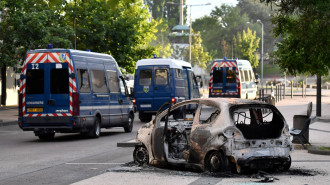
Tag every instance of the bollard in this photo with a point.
(291, 89)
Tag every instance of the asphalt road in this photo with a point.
(69, 158)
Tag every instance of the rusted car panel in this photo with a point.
(223, 133)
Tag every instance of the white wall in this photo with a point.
(12, 95)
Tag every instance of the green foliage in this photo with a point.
(25, 27)
(198, 56)
(161, 43)
(218, 30)
(305, 29)
(246, 45)
(256, 10)
(119, 28)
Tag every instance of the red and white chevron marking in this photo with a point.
(47, 58)
(229, 64)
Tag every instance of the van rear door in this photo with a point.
(162, 91)
(47, 84)
(144, 90)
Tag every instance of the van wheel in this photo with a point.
(129, 126)
(47, 136)
(216, 162)
(144, 117)
(285, 165)
(95, 132)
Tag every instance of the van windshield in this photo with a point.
(145, 77)
(59, 81)
(35, 81)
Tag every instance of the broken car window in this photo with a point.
(208, 114)
(258, 122)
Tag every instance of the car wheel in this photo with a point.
(95, 132)
(144, 117)
(285, 165)
(47, 136)
(129, 125)
(140, 155)
(216, 162)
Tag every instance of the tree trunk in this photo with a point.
(4, 85)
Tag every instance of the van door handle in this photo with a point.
(120, 101)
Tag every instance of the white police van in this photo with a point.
(232, 78)
(64, 90)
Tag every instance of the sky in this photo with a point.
(200, 11)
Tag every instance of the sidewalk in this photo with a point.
(8, 115)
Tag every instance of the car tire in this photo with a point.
(140, 155)
(285, 165)
(95, 131)
(144, 117)
(216, 162)
(129, 125)
(47, 136)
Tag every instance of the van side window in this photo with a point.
(178, 73)
(251, 75)
(98, 81)
(218, 75)
(35, 81)
(123, 87)
(241, 74)
(83, 78)
(161, 77)
(231, 76)
(145, 77)
(246, 74)
(113, 81)
(59, 81)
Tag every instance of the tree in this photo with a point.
(29, 25)
(198, 56)
(256, 10)
(120, 28)
(305, 29)
(218, 29)
(246, 45)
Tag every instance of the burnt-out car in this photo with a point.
(223, 134)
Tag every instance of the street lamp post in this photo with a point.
(262, 51)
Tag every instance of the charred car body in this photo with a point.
(224, 134)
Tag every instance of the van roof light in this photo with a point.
(155, 56)
(88, 50)
(225, 58)
(236, 58)
(50, 46)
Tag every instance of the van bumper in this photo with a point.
(58, 124)
(224, 96)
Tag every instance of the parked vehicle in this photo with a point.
(64, 90)
(159, 80)
(232, 78)
(224, 134)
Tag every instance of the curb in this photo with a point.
(315, 150)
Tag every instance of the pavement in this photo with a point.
(319, 134)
